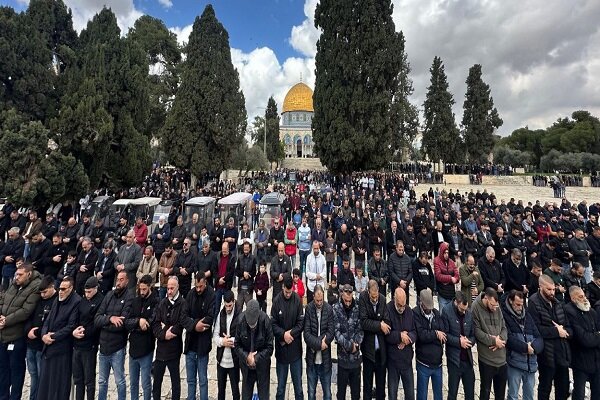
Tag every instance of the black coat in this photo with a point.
(313, 339)
(246, 263)
(108, 272)
(53, 267)
(378, 271)
(557, 351)
(401, 359)
(38, 255)
(429, 349)
(116, 303)
(141, 342)
(287, 314)
(279, 267)
(515, 276)
(36, 320)
(87, 313)
(423, 276)
(585, 343)
(453, 334)
(189, 263)
(61, 320)
(263, 342)
(208, 262)
(491, 273)
(370, 322)
(89, 263)
(201, 307)
(172, 316)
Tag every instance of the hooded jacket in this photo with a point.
(521, 330)
(17, 305)
(488, 324)
(348, 332)
(445, 271)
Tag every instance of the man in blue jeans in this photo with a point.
(319, 331)
(110, 319)
(198, 341)
(141, 339)
(288, 321)
(431, 336)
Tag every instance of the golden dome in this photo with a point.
(298, 98)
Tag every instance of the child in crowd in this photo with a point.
(261, 285)
(298, 284)
(360, 281)
(333, 293)
(69, 268)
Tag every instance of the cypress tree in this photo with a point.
(441, 137)
(274, 150)
(357, 69)
(480, 117)
(208, 118)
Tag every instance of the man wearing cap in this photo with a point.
(168, 325)
(228, 364)
(85, 345)
(254, 347)
(287, 320)
(431, 337)
(349, 337)
(141, 339)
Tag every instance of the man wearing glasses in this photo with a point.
(55, 378)
(185, 265)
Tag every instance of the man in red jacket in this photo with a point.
(446, 276)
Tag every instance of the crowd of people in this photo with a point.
(519, 281)
(478, 170)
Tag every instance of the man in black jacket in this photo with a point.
(55, 378)
(377, 270)
(245, 271)
(431, 336)
(551, 319)
(38, 252)
(423, 273)
(374, 322)
(207, 263)
(224, 274)
(198, 343)
(287, 320)
(399, 344)
(57, 256)
(170, 320)
(141, 339)
(86, 262)
(110, 319)
(585, 344)
(85, 345)
(33, 329)
(281, 267)
(460, 340)
(105, 271)
(491, 271)
(185, 265)
(254, 347)
(392, 236)
(228, 364)
(319, 331)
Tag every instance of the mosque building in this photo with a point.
(296, 118)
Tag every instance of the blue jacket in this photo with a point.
(520, 332)
(450, 317)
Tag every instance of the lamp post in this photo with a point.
(265, 136)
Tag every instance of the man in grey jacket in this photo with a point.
(128, 259)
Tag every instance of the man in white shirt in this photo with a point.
(227, 361)
(316, 270)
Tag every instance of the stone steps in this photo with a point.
(313, 164)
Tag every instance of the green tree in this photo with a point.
(358, 63)
(405, 116)
(441, 138)
(246, 159)
(480, 117)
(275, 152)
(208, 118)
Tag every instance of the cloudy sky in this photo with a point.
(539, 57)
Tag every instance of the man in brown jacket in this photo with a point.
(165, 268)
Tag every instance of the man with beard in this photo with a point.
(141, 339)
(515, 272)
(446, 276)
(491, 271)
(50, 227)
(105, 271)
(471, 282)
(98, 233)
(245, 271)
(377, 268)
(207, 263)
(281, 267)
(349, 336)
(140, 230)
(374, 321)
(585, 344)
(55, 377)
(551, 318)
(85, 345)
(287, 320)
(178, 234)
(33, 328)
(110, 319)
(261, 236)
(12, 251)
(224, 275)
(185, 265)
(573, 277)
(228, 364)
(57, 255)
(254, 348)
(86, 262)
(39, 250)
(70, 234)
(198, 338)
(169, 322)
(276, 236)
(121, 231)
(128, 259)
(554, 271)
(400, 269)
(461, 339)
(319, 332)
(399, 344)
(160, 237)
(523, 344)
(165, 268)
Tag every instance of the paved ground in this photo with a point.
(527, 193)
